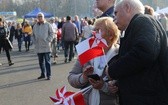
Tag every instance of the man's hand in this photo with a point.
(112, 87)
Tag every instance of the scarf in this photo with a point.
(99, 64)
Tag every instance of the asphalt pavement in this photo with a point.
(19, 84)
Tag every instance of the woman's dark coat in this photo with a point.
(4, 41)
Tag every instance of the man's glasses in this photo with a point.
(39, 16)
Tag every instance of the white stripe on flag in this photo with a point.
(83, 46)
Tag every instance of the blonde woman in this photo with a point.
(104, 88)
(27, 30)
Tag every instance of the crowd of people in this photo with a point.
(48, 36)
(136, 60)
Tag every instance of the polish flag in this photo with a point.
(97, 40)
(77, 99)
(64, 97)
(91, 48)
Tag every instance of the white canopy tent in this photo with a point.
(164, 10)
(8, 15)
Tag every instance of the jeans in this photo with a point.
(27, 42)
(68, 46)
(45, 63)
(58, 44)
(19, 43)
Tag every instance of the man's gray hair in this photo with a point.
(40, 13)
(136, 5)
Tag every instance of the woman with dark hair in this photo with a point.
(4, 41)
(19, 35)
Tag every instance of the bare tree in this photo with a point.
(63, 7)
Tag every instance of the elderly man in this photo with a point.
(106, 6)
(43, 35)
(142, 64)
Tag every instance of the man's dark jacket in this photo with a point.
(108, 13)
(142, 64)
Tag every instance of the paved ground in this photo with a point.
(19, 84)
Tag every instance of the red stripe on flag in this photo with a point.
(102, 44)
(79, 99)
(90, 54)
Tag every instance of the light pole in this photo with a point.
(75, 7)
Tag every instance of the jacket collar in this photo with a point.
(109, 12)
(39, 23)
(129, 25)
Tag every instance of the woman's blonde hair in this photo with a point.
(19, 25)
(149, 10)
(111, 29)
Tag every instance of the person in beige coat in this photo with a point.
(104, 88)
(43, 35)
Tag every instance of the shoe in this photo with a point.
(11, 63)
(48, 78)
(41, 77)
(65, 60)
(54, 62)
(75, 58)
(56, 55)
(70, 60)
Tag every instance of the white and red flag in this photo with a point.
(91, 48)
(63, 97)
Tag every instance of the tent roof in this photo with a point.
(33, 13)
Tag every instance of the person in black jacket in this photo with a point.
(12, 32)
(19, 36)
(106, 6)
(5, 44)
(142, 64)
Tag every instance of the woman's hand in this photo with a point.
(87, 71)
(97, 84)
